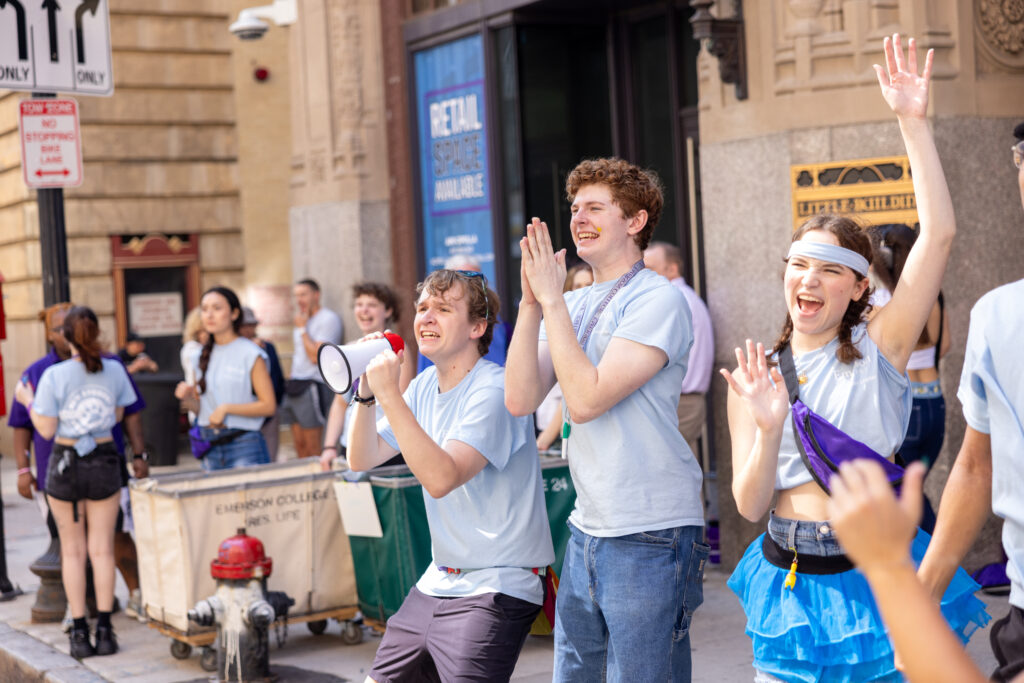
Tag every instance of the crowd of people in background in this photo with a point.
(612, 360)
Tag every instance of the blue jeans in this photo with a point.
(247, 449)
(625, 603)
(925, 433)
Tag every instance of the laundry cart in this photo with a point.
(181, 519)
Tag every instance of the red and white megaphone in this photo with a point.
(341, 365)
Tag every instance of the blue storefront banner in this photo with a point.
(454, 187)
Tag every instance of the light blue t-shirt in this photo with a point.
(992, 394)
(867, 399)
(496, 524)
(632, 469)
(84, 403)
(324, 327)
(229, 380)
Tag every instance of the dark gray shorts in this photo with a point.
(96, 476)
(1007, 638)
(309, 409)
(453, 639)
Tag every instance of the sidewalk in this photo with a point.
(38, 652)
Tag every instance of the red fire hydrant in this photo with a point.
(241, 609)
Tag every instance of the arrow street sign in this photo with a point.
(55, 46)
(51, 145)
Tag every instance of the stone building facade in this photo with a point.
(180, 174)
(813, 98)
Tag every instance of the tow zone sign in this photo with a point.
(51, 144)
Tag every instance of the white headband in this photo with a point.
(832, 253)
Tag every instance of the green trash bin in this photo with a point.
(388, 567)
(559, 499)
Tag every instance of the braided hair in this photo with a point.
(852, 236)
(236, 324)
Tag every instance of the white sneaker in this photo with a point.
(135, 608)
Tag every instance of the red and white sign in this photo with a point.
(51, 144)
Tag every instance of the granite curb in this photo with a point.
(23, 658)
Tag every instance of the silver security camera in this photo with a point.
(248, 26)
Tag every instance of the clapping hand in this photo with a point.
(543, 270)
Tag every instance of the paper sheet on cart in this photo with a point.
(358, 509)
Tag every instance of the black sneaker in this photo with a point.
(80, 645)
(106, 643)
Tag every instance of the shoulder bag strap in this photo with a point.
(788, 369)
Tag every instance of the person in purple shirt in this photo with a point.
(27, 440)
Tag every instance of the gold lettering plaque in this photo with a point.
(877, 191)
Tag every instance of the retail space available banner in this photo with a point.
(453, 152)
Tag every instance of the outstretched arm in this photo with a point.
(758, 406)
(875, 530)
(966, 504)
(898, 325)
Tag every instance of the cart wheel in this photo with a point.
(180, 649)
(351, 633)
(317, 627)
(208, 659)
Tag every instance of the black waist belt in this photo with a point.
(808, 564)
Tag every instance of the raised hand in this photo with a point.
(544, 269)
(763, 391)
(874, 528)
(905, 91)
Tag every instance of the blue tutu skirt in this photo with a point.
(827, 628)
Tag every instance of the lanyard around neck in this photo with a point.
(622, 282)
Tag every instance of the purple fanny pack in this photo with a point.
(823, 446)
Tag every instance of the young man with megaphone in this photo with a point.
(470, 612)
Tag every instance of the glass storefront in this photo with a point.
(562, 85)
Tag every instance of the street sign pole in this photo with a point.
(53, 243)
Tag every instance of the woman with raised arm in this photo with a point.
(809, 613)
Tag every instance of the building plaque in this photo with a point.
(877, 190)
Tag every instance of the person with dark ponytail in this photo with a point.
(79, 401)
(834, 388)
(892, 243)
(233, 392)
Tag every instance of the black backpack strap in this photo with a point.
(942, 321)
(788, 369)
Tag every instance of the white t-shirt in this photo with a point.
(632, 469)
(992, 394)
(496, 524)
(323, 326)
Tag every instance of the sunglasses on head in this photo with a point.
(483, 287)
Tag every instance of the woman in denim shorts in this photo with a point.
(927, 428)
(810, 614)
(233, 392)
(77, 403)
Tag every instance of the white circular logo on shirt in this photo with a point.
(87, 410)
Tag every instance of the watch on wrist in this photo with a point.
(144, 456)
